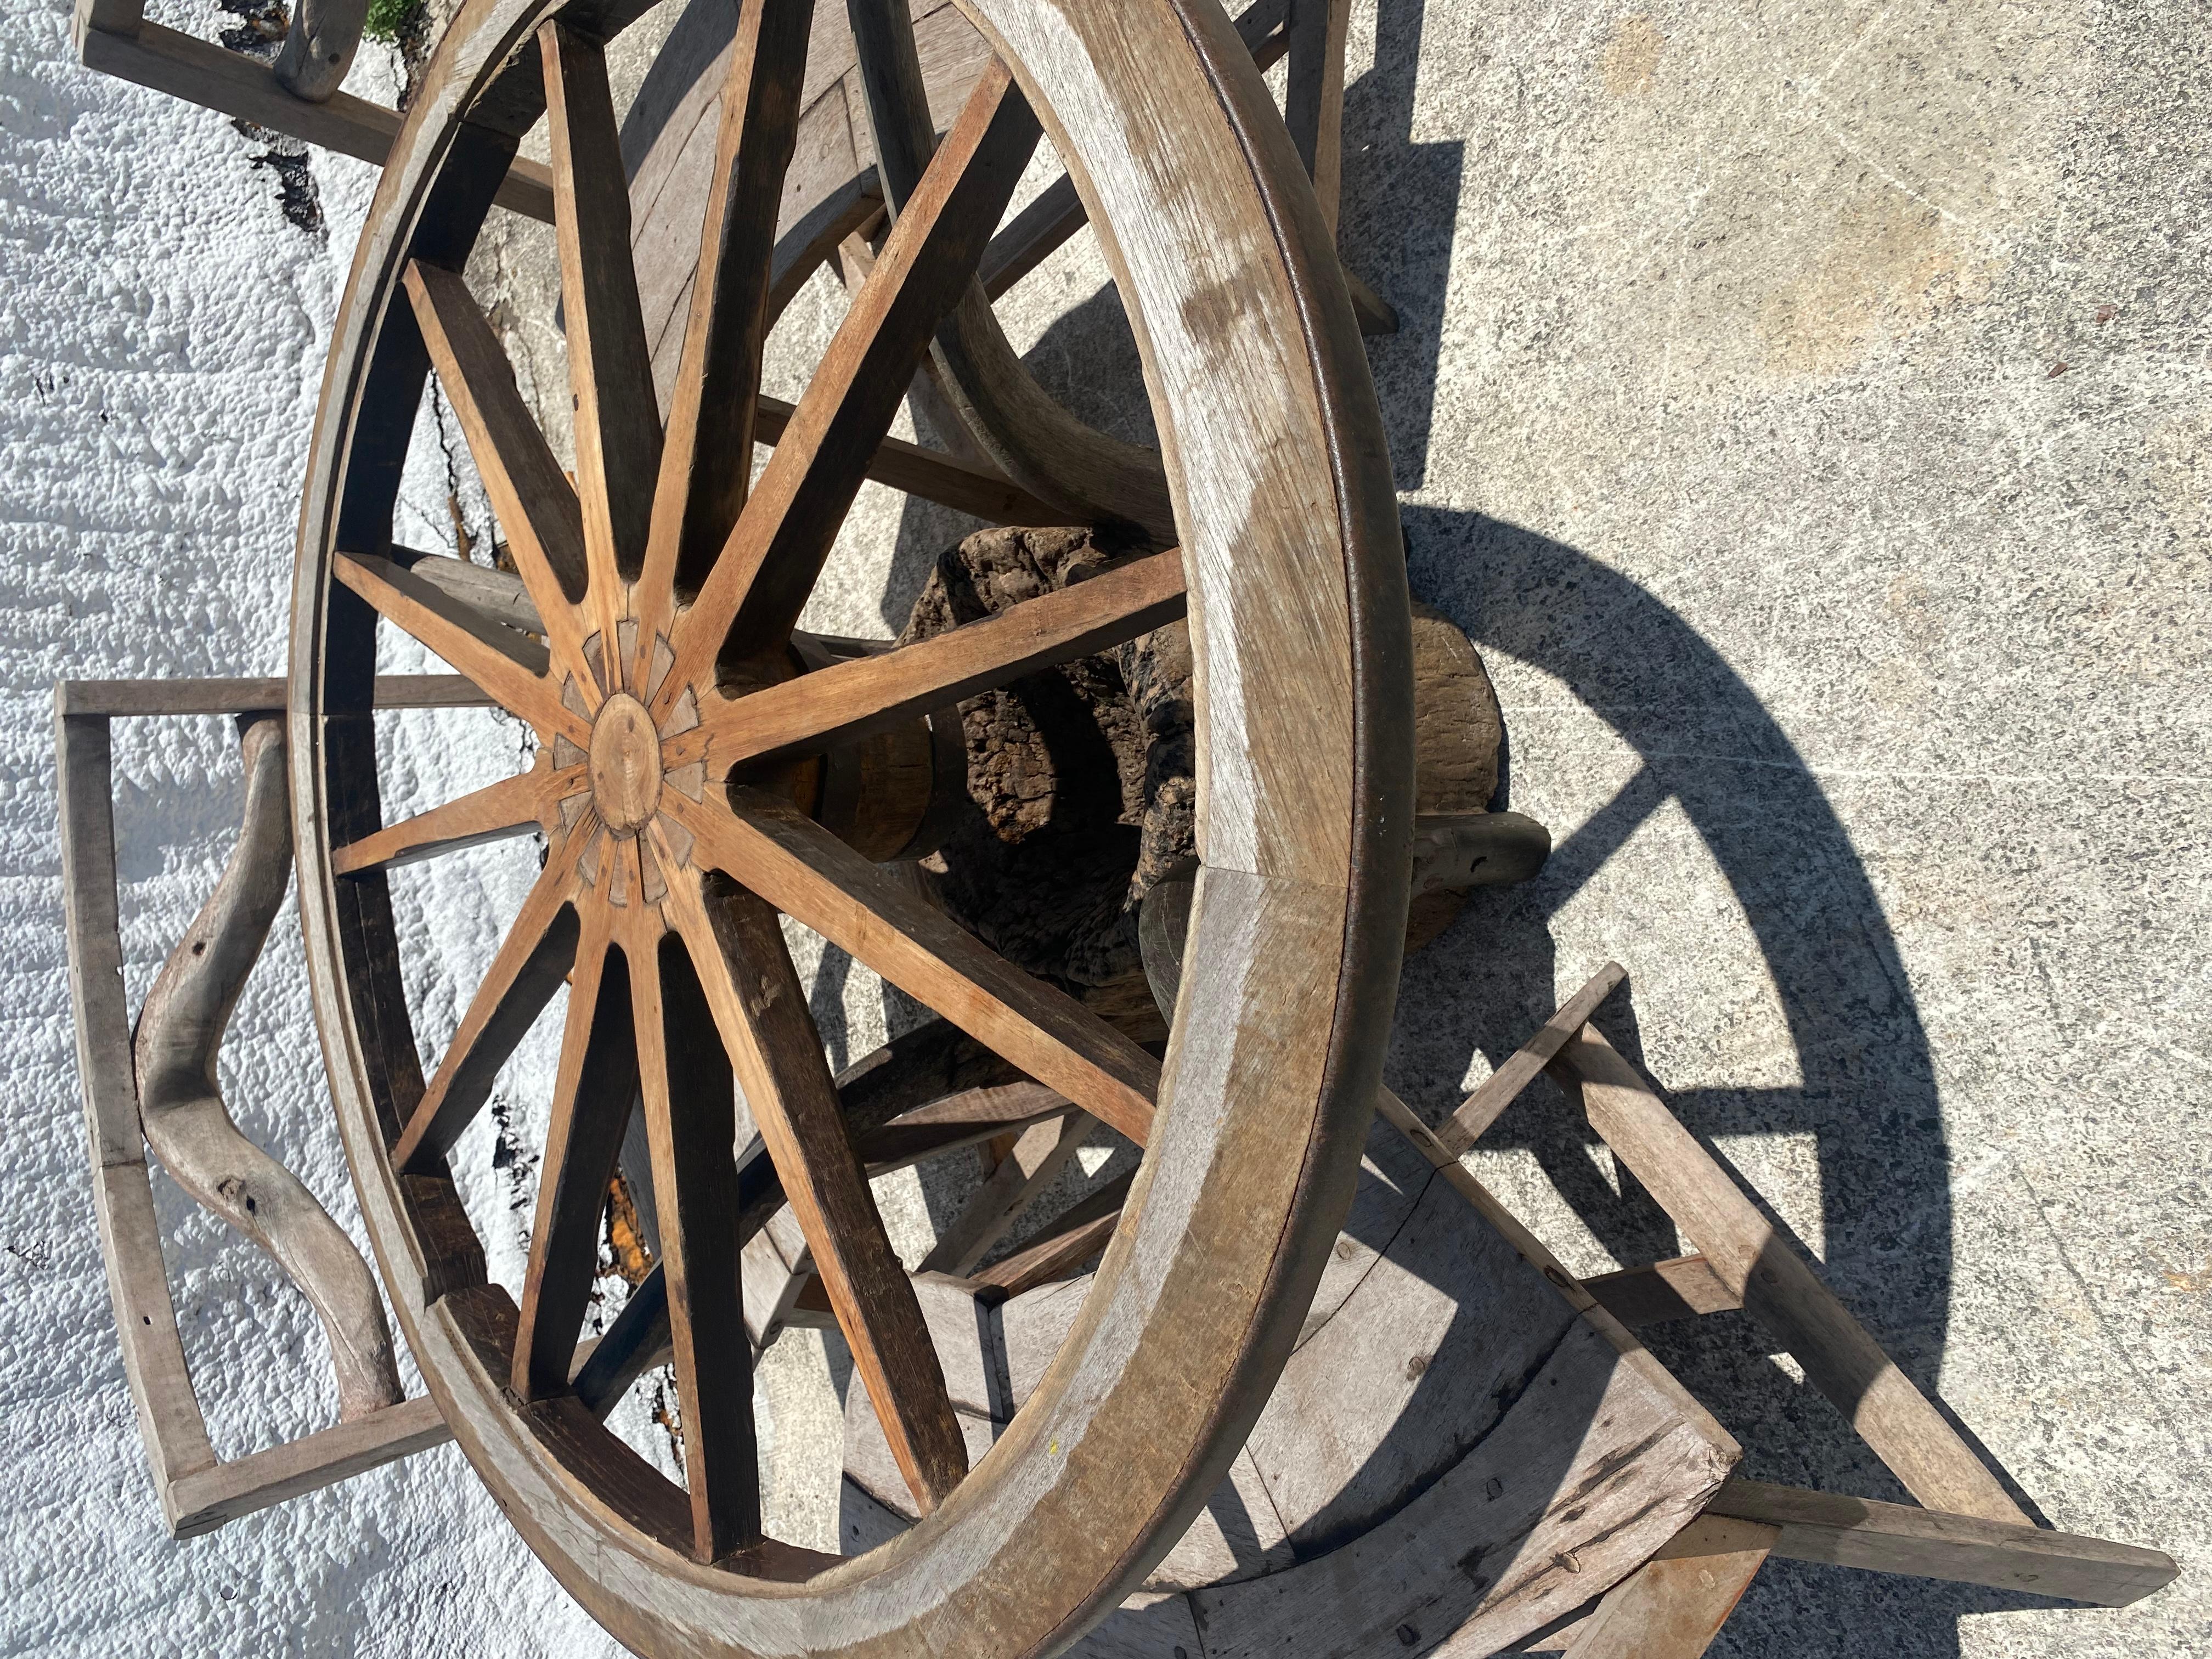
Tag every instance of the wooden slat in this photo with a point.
(169, 1419)
(1032, 1164)
(1313, 105)
(691, 1117)
(752, 598)
(1683, 1287)
(499, 595)
(525, 971)
(863, 695)
(200, 72)
(967, 486)
(1877, 1537)
(736, 942)
(895, 93)
(512, 806)
(509, 677)
(593, 1090)
(707, 464)
(1760, 1264)
(530, 494)
(1671, 1607)
(822, 884)
(618, 416)
(1503, 1087)
(1072, 1240)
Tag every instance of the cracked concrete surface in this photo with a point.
(1806, 409)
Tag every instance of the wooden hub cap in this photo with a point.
(625, 764)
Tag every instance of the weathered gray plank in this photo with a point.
(1587, 1474)
(1860, 1532)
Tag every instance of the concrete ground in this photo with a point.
(1806, 408)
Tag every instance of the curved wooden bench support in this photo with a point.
(198, 1491)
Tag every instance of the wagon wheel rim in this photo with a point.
(669, 716)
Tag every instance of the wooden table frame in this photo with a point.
(1970, 1531)
(113, 36)
(198, 1491)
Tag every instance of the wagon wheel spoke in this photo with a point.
(526, 970)
(617, 424)
(510, 671)
(687, 1087)
(761, 1008)
(751, 599)
(809, 875)
(593, 1090)
(862, 694)
(509, 807)
(530, 495)
(706, 466)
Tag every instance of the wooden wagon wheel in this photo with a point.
(678, 731)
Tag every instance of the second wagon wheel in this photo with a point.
(682, 738)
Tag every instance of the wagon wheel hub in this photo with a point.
(626, 766)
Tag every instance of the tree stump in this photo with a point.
(1082, 788)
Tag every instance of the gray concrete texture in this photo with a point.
(1807, 410)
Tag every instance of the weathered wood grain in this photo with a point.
(201, 72)
(594, 1086)
(1276, 458)
(761, 1009)
(529, 494)
(1878, 1537)
(211, 1497)
(181, 1107)
(751, 599)
(169, 1419)
(513, 806)
(707, 465)
(863, 694)
(1683, 1287)
(1503, 1087)
(528, 967)
(686, 1086)
(1031, 1164)
(248, 696)
(1673, 1606)
(816, 880)
(1761, 1265)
